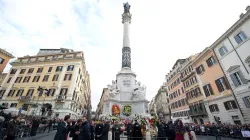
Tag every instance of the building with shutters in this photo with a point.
(64, 82)
(162, 104)
(99, 109)
(218, 98)
(233, 52)
(4, 59)
(177, 96)
(194, 94)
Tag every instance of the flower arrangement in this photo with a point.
(116, 109)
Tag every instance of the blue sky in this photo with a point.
(161, 32)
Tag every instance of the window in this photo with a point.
(223, 50)
(22, 71)
(13, 71)
(208, 90)
(182, 89)
(9, 79)
(2, 93)
(237, 78)
(210, 61)
(11, 93)
(70, 68)
(50, 69)
(45, 78)
(67, 77)
(30, 70)
(36, 79)
(30, 92)
(246, 100)
(52, 92)
(54, 57)
(222, 84)
(214, 108)
(13, 105)
(1, 60)
(59, 68)
(19, 92)
(229, 105)
(39, 70)
(200, 69)
(18, 79)
(240, 37)
(64, 91)
(26, 79)
(55, 77)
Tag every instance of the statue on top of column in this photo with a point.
(126, 7)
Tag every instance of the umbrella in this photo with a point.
(2, 107)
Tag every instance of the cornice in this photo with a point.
(7, 53)
(49, 54)
(203, 53)
(233, 28)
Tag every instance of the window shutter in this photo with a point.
(234, 104)
(216, 107)
(247, 103)
(244, 81)
(202, 68)
(226, 82)
(226, 106)
(197, 70)
(218, 85)
(210, 88)
(208, 63)
(65, 77)
(243, 34)
(205, 90)
(236, 84)
(237, 39)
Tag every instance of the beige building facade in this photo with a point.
(99, 109)
(4, 59)
(62, 75)
(176, 92)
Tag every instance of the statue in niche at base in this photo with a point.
(113, 90)
(139, 92)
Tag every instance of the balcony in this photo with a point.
(24, 98)
(198, 112)
(60, 98)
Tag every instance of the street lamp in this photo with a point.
(41, 91)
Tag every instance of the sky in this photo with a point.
(161, 32)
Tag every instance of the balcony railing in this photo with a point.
(60, 98)
(24, 98)
(198, 112)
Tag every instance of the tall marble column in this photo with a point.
(126, 51)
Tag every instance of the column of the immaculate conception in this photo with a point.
(125, 97)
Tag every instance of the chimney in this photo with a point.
(248, 8)
(241, 15)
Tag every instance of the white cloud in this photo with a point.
(161, 32)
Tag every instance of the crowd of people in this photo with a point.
(15, 126)
(131, 130)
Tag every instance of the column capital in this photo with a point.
(126, 17)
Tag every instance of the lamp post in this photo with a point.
(40, 90)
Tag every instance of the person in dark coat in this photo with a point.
(98, 131)
(161, 133)
(171, 132)
(75, 130)
(137, 134)
(84, 130)
(63, 129)
(34, 127)
(92, 130)
(105, 132)
(116, 131)
(166, 129)
(12, 129)
(129, 130)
